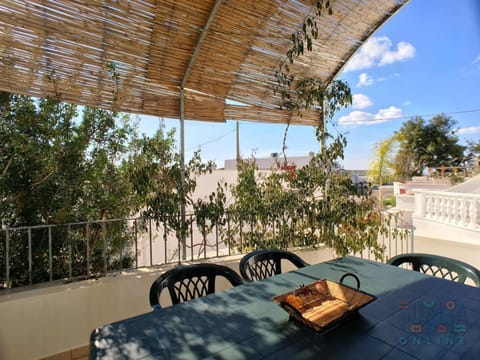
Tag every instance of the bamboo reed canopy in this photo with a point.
(142, 56)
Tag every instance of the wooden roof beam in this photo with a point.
(201, 38)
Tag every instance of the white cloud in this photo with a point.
(469, 130)
(404, 52)
(364, 80)
(358, 118)
(366, 118)
(377, 51)
(390, 113)
(360, 101)
(388, 77)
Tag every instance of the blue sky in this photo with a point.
(424, 61)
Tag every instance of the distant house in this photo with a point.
(274, 161)
(293, 162)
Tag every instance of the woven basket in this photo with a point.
(324, 303)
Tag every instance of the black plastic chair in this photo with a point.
(262, 264)
(439, 266)
(188, 282)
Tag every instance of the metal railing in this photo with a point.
(399, 237)
(75, 251)
(396, 238)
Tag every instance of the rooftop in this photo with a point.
(141, 56)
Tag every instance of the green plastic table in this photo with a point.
(414, 317)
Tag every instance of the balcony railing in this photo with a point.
(68, 252)
(457, 209)
(396, 238)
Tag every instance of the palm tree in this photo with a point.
(382, 164)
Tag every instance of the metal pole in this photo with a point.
(50, 255)
(323, 121)
(87, 231)
(69, 230)
(135, 234)
(191, 237)
(165, 243)
(105, 247)
(324, 140)
(182, 239)
(238, 143)
(7, 257)
(150, 240)
(30, 256)
(188, 70)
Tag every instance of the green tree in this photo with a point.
(382, 165)
(472, 157)
(154, 168)
(332, 206)
(429, 144)
(58, 167)
(210, 214)
(315, 204)
(404, 165)
(472, 150)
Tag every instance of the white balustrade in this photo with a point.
(458, 209)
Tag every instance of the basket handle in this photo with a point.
(352, 275)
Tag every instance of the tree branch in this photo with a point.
(4, 172)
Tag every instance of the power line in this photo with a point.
(347, 122)
(211, 141)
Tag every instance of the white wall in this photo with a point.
(405, 203)
(46, 321)
(441, 231)
(466, 252)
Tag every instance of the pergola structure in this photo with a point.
(176, 58)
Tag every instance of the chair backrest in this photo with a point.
(186, 282)
(262, 264)
(440, 266)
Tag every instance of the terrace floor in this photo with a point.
(80, 353)
(93, 303)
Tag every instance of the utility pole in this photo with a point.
(238, 143)
(323, 121)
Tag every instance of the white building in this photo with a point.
(274, 161)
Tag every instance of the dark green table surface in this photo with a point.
(414, 317)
